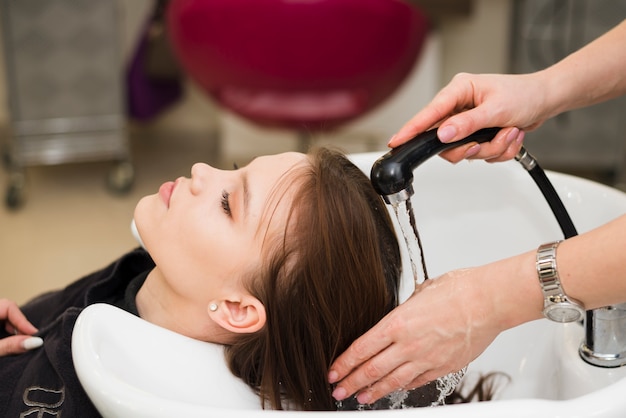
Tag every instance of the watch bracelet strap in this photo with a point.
(548, 274)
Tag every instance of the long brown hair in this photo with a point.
(332, 276)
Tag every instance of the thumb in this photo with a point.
(463, 124)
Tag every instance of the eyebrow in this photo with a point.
(246, 195)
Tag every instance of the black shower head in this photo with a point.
(392, 174)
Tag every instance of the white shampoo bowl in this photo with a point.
(467, 214)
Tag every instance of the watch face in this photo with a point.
(564, 312)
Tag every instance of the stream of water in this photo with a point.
(408, 226)
(406, 219)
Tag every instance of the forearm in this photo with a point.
(591, 266)
(594, 73)
(512, 289)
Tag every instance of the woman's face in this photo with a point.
(206, 231)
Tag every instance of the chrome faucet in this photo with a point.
(392, 177)
(605, 337)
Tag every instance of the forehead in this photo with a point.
(279, 163)
(275, 179)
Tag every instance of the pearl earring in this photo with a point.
(213, 307)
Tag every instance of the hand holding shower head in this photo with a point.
(392, 174)
(392, 177)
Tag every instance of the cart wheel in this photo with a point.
(15, 191)
(121, 177)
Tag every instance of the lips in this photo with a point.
(165, 192)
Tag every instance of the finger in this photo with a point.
(456, 95)
(362, 349)
(511, 151)
(9, 328)
(402, 381)
(461, 125)
(497, 146)
(400, 378)
(16, 318)
(461, 152)
(374, 341)
(369, 373)
(493, 150)
(455, 110)
(424, 120)
(19, 344)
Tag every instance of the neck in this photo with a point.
(157, 303)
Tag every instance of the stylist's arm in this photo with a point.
(520, 102)
(449, 321)
(15, 323)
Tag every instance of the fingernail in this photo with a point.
(339, 394)
(32, 343)
(447, 133)
(513, 133)
(520, 137)
(471, 151)
(333, 376)
(391, 140)
(363, 398)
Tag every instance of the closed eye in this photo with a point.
(225, 203)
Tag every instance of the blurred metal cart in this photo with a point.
(65, 88)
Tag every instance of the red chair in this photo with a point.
(307, 65)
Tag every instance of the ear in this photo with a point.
(242, 315)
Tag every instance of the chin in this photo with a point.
(141, 219)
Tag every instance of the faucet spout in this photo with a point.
(605, 338)
(392, 174)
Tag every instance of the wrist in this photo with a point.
(557, 305)
(517, 297)
(553, 86)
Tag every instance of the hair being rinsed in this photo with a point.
(332, 276)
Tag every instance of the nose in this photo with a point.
(199, 169)
(200, 173)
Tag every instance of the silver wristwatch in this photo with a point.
(557, 306)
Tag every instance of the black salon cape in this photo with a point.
(42, 382)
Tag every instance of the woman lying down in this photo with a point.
(285, 261)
